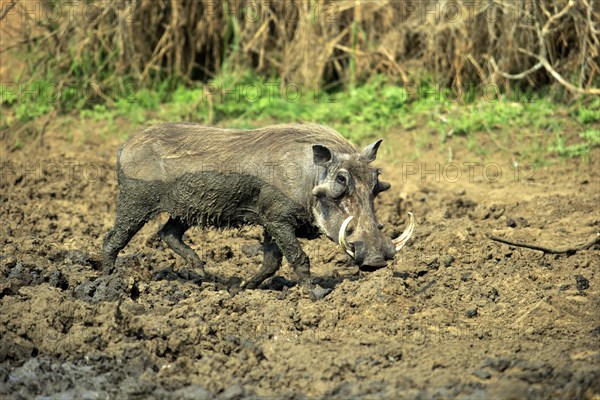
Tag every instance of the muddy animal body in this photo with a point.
(294, 180)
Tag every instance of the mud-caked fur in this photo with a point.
(294, 180)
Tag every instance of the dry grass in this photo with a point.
(334, 42)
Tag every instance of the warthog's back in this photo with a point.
(165, 152)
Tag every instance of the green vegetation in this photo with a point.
(590, 138)
(588, 114)
(235, 68)
(243, 100)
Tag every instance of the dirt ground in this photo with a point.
(454, 315)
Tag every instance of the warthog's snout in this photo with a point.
(369, 258)
(375, 255)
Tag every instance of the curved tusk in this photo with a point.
(401, 240)
(342, 236)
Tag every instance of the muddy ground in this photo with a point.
(455, 315)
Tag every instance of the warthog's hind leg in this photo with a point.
(172, 233)
(131, 217)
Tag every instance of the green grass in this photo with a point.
(522, 128)
(589, 139)
(241, 99)
(588, 114)
(244, 101)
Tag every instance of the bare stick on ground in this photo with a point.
(548, 250)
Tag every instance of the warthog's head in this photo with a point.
(344, 207)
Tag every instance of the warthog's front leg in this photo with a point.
(285, 238)
(272, 258)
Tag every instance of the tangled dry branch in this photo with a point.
(542, 55)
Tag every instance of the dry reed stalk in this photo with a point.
(534, 42)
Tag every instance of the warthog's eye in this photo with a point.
(340, 184)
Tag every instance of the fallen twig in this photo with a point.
(548, 250)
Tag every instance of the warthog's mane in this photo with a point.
(177, 140)
(280, 154)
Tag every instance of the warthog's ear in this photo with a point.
(370, 152)
(382, 187)
(321, 155)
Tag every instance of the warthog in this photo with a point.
(294, 180)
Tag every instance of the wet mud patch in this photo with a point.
(454, 315)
